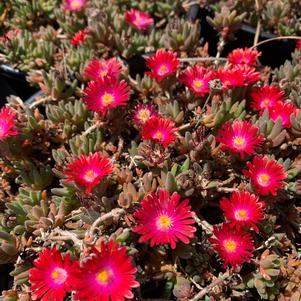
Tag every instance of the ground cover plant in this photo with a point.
(178, 183)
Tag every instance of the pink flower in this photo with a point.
(234, 246)
(164, 219)
(230, 77)
(162, 64)
(249, 73)
(102, 68)
(159, 129)
(74, 4)
(79, 37)
(50, 276)
(139, 19)
(197, 79)
(106, 93)
(7, 125)
(88, 171)
(246, 56)
(240, 137)
(105, 275)
(142, 113)
(266, 175)
(266, 97)
(284, 111)
(243, 210)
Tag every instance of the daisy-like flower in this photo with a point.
(243, 210)
(298, 45)
(139, 19)
(163, 219)
(7, 125)
(106, 93)
(234, 246)
(243, 56)
(102, 68)
(240, 137)
(230, 77)
(50, 276)
(88, 171)
(107, 274)
(79, 37)
(266, 97)
(249, 73)
(162, 64)
(197, 79)
(266, 175)
(283, 111)
(143, 112)
(74, 4)
(159, 129)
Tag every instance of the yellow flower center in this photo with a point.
(163, 69)
(239, 142)
(107, 99)
(103, 73)
(227, 83)
(266, 101)
(59, 275)
(230, 245)
(76, 4)
(263, 179)
(158, 135)
(144, 115)
(241, 215)
(103, 277)
(198, 83)
(90, 175)
(164, 222)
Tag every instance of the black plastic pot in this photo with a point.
(13, 82)
(6, 281)
(274, 53)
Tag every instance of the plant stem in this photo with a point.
(275, 39)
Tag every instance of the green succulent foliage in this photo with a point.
(8, 248)
(172, 110)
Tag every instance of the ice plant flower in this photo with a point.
(234, 246)
(163, 219)
(298, 45)
(50, 276)
(106, 93)
(138, 19)
(74, 4)
(246, 56)
(102, 68)
(197, 79)
(88, 171)
(159, 129)
(266, 175)
(7, 125)
(142, 113)
(283, 111)
(79, 37)
(249, 74)
(107, 274)
(266, 97)
(162, 64)
(243, 210)
(230, 77)
(240, 137)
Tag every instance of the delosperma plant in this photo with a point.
(181, 183)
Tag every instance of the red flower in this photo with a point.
(234, 246)
(7, 125)
(164, 219)
(266, 97)
(106, 93)
(246, 56)
(139, 19)
(298, 45)
(283, 111)
(79, 37)
(10, 35)
(243, 210)
(88, 171)
(143, 112)
(159, 129)
(197, 79)
(230, 77)
(266, 175)
(240, 137)
(102, 68)
(162, 64)
(74, 4)
(250, 74)
(49, 278)
(105, 275)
